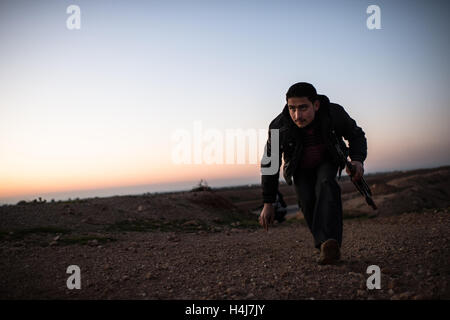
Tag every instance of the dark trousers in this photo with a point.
(319, 197)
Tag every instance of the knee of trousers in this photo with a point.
(329, 183)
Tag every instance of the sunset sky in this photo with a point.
(97, 108)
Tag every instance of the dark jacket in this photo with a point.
(334, 123)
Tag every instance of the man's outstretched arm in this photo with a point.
(269, 178)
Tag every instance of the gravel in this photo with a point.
(412, 251)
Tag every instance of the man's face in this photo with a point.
(302, 110)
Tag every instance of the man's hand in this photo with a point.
(358, 170)
(267, 215)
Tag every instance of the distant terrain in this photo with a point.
(393, 192)
(207, 244)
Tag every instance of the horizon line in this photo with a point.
(179, 186)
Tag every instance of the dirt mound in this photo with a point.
(404, 193)
(383, 188)
(178, 211)
(393, 192)
(209, 199)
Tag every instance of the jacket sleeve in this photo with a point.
(355, 136)
(270, 182)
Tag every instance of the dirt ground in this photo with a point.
(201, 245)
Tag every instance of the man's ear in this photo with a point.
(316, 105)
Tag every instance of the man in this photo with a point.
(309, 126)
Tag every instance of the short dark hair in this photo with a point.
(302, 89)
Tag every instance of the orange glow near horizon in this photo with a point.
(38, 170)
(25, 177)
(24, 185)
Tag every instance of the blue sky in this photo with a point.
(100, 103)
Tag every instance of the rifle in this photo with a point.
(361, 184)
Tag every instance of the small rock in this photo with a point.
(190, 223)
(402, 296)
(56, 238)
(361, 293)
(386, 270)
(93, 243)
(173, 238)
(406, 295)
(392, 284)
(355, 274)
(53, 243)
(140, 208)
(229, 290)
